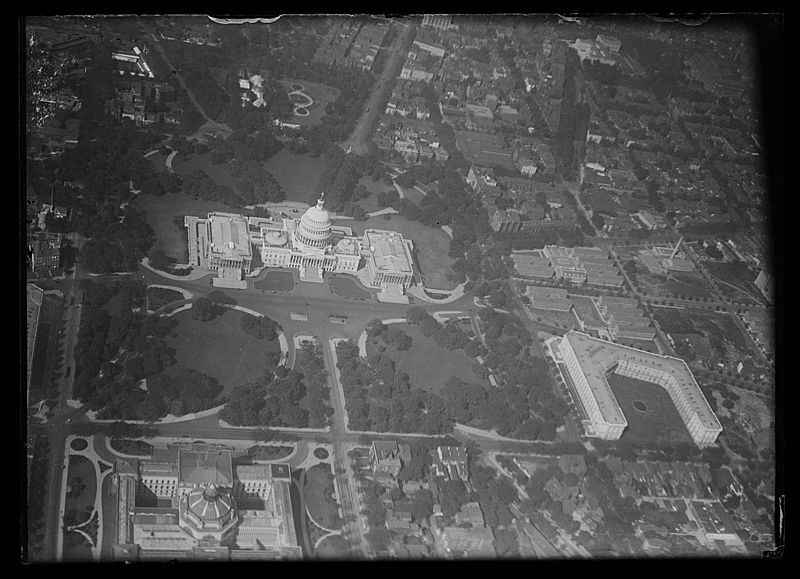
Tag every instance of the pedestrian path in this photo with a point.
(191, 276)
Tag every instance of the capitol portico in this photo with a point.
(381, 259)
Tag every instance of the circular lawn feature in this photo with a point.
(79, 444)
(276, 281)
(321, 453)
(344, 287)
(639, 405)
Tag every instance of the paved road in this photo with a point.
(58, 426)
(358, 141)
(321, 303)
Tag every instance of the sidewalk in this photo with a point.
(194, 275)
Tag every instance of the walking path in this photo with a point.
(91, 455)
(191, 276)
(452, 295)
(170, 157)
(184, 292)
(385, 211)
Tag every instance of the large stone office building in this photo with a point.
(227, 243)
(192, 502)
(589, 362)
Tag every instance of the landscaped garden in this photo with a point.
(321, 94)
(275, 281)
(334, 547)
(298, 174)
(219, 348)
(318, 496)
(269, 452)
(159, 296)
(78, 444)
(431, 244)
(165, 215)
(416, 361)
(79, 506)
(649, 410)
(347, 287)
(131, 446)
(689, 285)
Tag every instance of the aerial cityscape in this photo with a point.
(431, 287)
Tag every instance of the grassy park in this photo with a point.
(431, 243)
(347, 287)
(159, 296)
(187, 163)
(298, 174)
(159, 161)
(650, 412)
(688, 284)
(321, 94)
(162, 211)
(416, 361)
(219, 348)
(317, 492)
(269, 452)
(82, 490)
(275, 281)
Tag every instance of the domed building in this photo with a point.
(192, 501)
(225, 242)
(314, 229)
(315, 246)
(208, 513)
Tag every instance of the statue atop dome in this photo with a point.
(321, 201)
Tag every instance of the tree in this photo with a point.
(375, 327)
(263, 435)
(203, 309)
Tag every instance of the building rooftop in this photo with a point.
(389, 251)
(452, 453)
(229, 235)
(206, 465)
(149, 468)
(597, 357)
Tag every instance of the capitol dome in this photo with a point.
(314, 229)
(209, 507)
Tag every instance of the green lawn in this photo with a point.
(269, 452)
(129, 446)
(346, 287)
(736, 274)
(279, 281)
(159, 296)
(219, 348)
(298, 174)
(688, 284)
(370, 204)
(659, 423)
(159, 161)
(186, 164)
(417, 361)
(317, 494)
(320, 93)
(81, 467)
(161, 212)
(431, 244)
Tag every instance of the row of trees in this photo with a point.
(381, 399)
(312, 365)
(116, 244)
(448, 335)
(254, 184)
(112, 388)
(272, 400)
